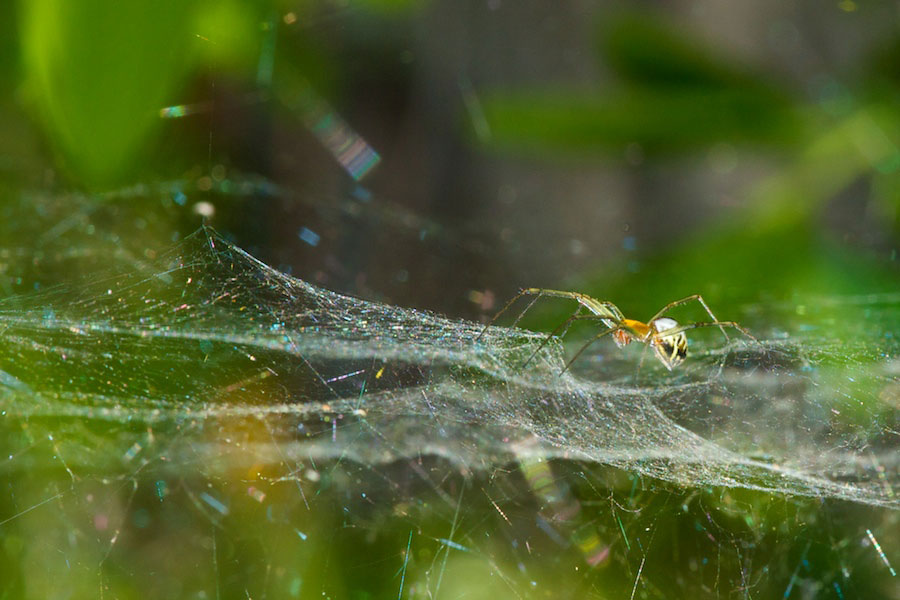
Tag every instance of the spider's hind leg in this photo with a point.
(702, 302)
(720, 325)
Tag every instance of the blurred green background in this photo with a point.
(639, 152)
(441, 155)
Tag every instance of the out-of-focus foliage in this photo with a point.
(99, 71)
(232, 31)
(674, 98)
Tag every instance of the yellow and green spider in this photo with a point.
(663, 334)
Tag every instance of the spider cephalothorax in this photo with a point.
(670, 348)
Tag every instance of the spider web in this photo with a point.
(158, 362)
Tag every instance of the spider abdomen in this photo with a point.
(670, 349)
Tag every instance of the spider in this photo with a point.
(664, 335)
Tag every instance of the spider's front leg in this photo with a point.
(591, 341)
(564, 326)
(601, 308)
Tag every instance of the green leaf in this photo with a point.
(642, 49)
(99, 71)
(667, 121)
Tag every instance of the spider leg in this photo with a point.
(568, 323)
(720, 324)
(505, 308)
(597, 307)
(637, 375)
(591, 341)
(562, 326)
(601, 308)
(690, 298)
(525, 310)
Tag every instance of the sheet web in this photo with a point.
(212, 336)
(178, 426)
